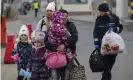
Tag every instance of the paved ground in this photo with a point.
(122, 70)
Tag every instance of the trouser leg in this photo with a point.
(55, 74)
(109, 61)
(44, 74)
(35, 76)
(36, 11)
(65, 72)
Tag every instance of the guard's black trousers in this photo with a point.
(109, 61)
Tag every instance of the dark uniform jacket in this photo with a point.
(102, 25)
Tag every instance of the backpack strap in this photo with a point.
(43, 23)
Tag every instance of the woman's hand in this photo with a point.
(65, 29)
(61, 47)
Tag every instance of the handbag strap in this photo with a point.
(76, 60)
(95, 51)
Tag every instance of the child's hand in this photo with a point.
(61, 47)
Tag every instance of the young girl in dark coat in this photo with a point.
(36, 63)
(22, 50)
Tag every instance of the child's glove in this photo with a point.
(111, 29)
(22, 72)
(27, 75)
(97, 46)
(16, 57)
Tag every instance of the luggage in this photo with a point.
(96, 62)
(77, 72)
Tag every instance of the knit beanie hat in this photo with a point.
(51, 6)
(40, 36)
(103, 7)
(23, 31)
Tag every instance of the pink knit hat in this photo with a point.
(39, 36)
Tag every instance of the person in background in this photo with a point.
(44, 23)
(36, 7)
(104, 22)
(22, 50)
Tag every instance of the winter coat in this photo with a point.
(57, 29)
(102, 25)
(43, 25)
(36, 63)
(55, 34)
(24, 51)
(71, 41)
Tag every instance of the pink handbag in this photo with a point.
(56, 59)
